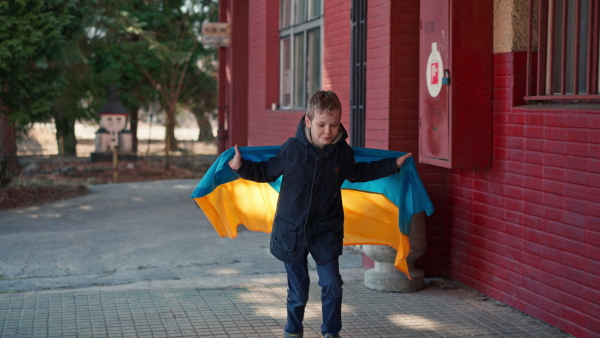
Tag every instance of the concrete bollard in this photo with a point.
(384, 276)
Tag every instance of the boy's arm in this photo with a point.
(370, 171)
(400, 160)
(255, 171)
(236, 162)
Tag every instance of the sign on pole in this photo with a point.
(216, 34)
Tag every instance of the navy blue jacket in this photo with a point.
(309, 209)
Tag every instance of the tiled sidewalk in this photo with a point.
(258, 311)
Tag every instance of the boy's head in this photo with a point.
(323, 102)
(323, 118)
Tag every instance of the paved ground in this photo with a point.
(257, 311)
(140, 260)
(148, 232)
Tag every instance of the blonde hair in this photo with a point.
(323, 102)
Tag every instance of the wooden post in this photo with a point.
(61, 145)
(192, 153)
(116, 163)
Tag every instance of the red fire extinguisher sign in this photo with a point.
(434, 73)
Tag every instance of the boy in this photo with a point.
(310, 216)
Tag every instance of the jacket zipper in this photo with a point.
(312, 187)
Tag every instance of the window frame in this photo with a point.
(291, 32)
(541, 67)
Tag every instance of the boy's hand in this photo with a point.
(236, 162)
(400, 160)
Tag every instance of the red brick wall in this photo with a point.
(268, 127)
(393, 75)
(258, 57)
(380, 54)
(265, 127)
(393, 110)
(404, 77)
(527, 231)
(336, 53)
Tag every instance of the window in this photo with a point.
(300, 51)
(566, 65)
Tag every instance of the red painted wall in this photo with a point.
(527, 231)
(237, 73)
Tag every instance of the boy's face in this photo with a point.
(324, 127)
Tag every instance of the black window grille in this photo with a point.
(358, 91)
(562, 58)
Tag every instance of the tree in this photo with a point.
(33, 35)
(148, 46)
(171, 30)
(203, 104)
(70, 105)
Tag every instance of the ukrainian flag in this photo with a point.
(376, 212)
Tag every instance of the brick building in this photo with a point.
(517, 219)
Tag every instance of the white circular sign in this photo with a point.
(434, 71)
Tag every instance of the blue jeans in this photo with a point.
(330, 282)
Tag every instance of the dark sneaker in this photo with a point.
(328, 335)
(292, 335)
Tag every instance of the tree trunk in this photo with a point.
(9, 162)
(170, 142)
(170, 132)
(167, 152)
(134, 117)
(65, 135)
(205, 134)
